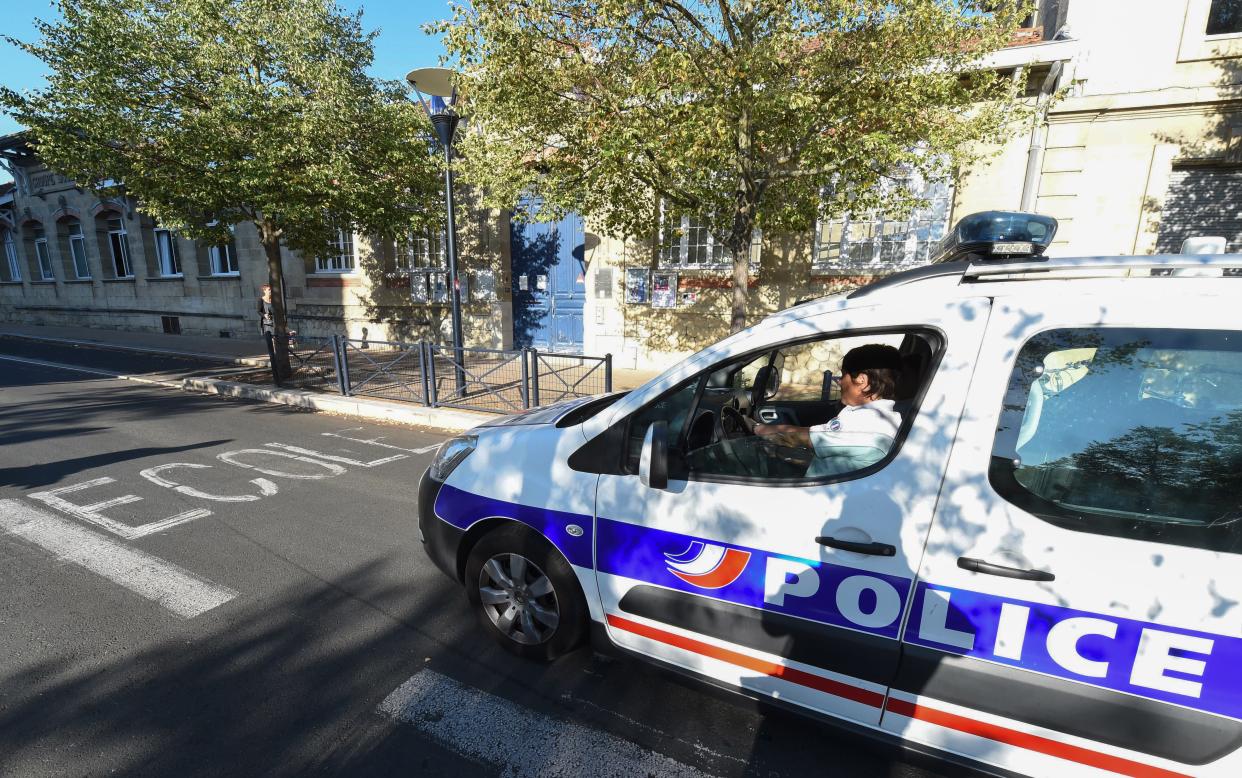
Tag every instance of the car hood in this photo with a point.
(548, 414)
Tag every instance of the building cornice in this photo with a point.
(1207, 99)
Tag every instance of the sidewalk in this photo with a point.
(251, 352)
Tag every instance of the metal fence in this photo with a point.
(478, 379)
(313, 361)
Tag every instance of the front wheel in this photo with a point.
(526, 594)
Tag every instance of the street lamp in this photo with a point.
(437, 83)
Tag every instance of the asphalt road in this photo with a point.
(252, 613)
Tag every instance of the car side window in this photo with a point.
(673, 408)
(712, 417)
(1133, 433)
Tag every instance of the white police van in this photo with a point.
(1042, 576)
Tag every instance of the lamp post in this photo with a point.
(437, 83)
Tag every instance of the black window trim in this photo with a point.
(1006, 486)
(937, 339)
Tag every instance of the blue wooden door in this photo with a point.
(549, 283)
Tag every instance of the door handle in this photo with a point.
(987, 568)
(873, 549)
(768, 415)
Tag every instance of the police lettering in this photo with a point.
(1008, 626)
(862, 601)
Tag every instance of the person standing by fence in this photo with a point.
(267, 326)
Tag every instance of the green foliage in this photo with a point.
(221, 111)
(743, 112)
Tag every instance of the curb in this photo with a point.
(243, 361)
(377, 410)
(450, 420)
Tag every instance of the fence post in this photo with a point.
(534, 377)
(336, 363)
(344, 352)
(608, 373)
(434, 400)
(422, 371)
(525, 381)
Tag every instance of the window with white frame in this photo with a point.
(421, 251)
(687, 242)
(118, 245)
(340, 257)
(44, 255)
(1224, 17)
(877, 242)
(166, 252)
(77, 250)
(223, 260)
(12, 269)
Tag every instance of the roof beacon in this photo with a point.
(997, 235)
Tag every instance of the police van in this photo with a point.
(1041, 575)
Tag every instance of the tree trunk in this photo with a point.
(738, 244)
(270, 238)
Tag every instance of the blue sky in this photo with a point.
(400, 47)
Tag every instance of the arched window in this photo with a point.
(73, 247)
(223, 258)
(166, 250)
(11, 269)
(37, 244)
(118, 247)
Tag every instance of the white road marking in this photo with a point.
(519, 741)
(231, 458)
(696, 745)
(58, 366)
(376, 442)
(93, 513)
(266, 487)
(180, 591)
(337, 457)
(93, 371)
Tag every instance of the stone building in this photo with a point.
(1141, 148)
(74, 258)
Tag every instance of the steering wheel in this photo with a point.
(730, 424)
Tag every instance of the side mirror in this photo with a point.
(653, 462)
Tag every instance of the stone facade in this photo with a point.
(72, 250)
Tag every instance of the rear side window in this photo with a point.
(1135, 433)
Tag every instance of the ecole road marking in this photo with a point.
(523, 743)
(181, 592)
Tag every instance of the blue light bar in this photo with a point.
(997, 235)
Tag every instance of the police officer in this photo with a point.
(864, 431)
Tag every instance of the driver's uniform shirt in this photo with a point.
(859, 436)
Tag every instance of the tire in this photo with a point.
(543, 615)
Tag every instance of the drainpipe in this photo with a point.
(1039, 129)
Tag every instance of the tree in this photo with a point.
(214, 112)
(746, 113)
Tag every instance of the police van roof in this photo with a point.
(1041, 268)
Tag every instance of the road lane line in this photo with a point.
(180, 591)
(521, 742)
(58, 366)
(92, 371)
(376, 442)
